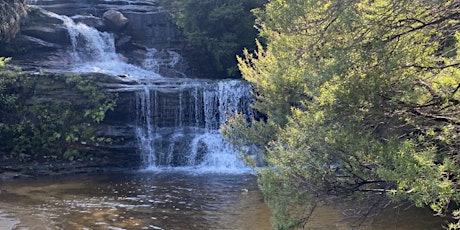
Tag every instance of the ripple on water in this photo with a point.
(157, 200)
(8, 221)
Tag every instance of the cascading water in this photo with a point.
(94, 51)
(177, 120)
(182, 129)
(150, 62)
(145, 130)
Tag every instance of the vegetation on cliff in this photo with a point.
(216, 31)
(12, 14)
(361, 100)
(49, 117)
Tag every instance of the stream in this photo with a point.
(134, 200)
(163, 199)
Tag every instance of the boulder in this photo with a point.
(115, 20)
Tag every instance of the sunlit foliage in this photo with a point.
(49, 117)
(360, 97)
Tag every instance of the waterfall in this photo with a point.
(185, 118)
(177, 120)
(145, 130)
(89, 44)
(150, 62)
(94, 51)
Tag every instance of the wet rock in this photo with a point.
(91, 20)
(124, 42)
(10, 175)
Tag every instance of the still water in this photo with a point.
(161, 200)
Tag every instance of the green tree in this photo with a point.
(216, 31)
(37, 127)
(361, 99)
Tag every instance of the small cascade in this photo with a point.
(151, 63)
(145, 131)
(211, 153)
(89, 44)
(185, 119)
(94, 51)
(174, 58)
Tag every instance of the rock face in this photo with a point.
(168, 122)
(168, 115)
(43, 40)
(53, 35)
(149, 24)
(138, 27)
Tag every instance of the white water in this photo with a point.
(145, 130)
(191, 139)
(224, 157)
(178, 120)
(93, 51)
(151, 63)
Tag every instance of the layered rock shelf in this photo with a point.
(163, 117)
(137, 27)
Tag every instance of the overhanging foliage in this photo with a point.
(361, 97)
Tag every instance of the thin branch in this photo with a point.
(431, 67)
(456, 89)
(437, 117)
(451, 16)
(307, 218)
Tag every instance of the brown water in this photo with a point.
(161, 200)
(173, 200)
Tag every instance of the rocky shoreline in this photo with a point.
(9, 171)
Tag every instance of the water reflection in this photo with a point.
(174, 200)
(163, 200)
(394, 218)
